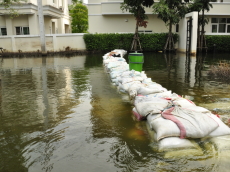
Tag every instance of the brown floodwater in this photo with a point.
(63, 114)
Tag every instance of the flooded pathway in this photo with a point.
(63, 114)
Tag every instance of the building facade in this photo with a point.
(105, 16)
(56, 18)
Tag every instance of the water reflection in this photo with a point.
(61, 113)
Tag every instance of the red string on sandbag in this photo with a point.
(168, 115)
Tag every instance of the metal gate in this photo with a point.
(189, 35)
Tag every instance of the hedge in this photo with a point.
(222, 42)
(108, 42)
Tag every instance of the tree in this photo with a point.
(136, 7)
(170, 11)
(7, 4)
(201, 5)
(79, 14)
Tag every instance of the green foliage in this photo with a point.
(136, 7)
(222, 42)
(79, 14)
(201, 5)
(7, 4)
(170, 11)
(108, 42)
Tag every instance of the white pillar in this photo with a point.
(55, 42)
(13, 43)
(42, 27)
(9, 25)
(33, 24)
(183, 33)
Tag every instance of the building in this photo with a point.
(105, 16)
(56, 18)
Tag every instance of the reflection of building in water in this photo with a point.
(24, 81)
(36, 96)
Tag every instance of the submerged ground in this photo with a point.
(63, 114)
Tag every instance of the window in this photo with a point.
(3, 31)
(220, 25)
(145, 31)
(22, 30)
(177, 27)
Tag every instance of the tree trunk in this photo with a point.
(202, 31)
(198, 35)
(135, 37)
(170, 35)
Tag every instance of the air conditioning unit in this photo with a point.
(60, 8)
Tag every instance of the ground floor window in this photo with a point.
(145, 31)
(3, 31)
(177, 28)
(22, 30)
(220, 25)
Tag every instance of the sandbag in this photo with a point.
(125, 87)
(146, 90)
(185, 153)
(185, 103)
(163, 127)
(221, 130)
(155, 106)
(192, 124)
(137, 115)
(169, 143)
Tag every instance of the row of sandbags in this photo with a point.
(171, 119)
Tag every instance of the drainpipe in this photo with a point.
(42, 27)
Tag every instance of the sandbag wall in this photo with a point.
(172, 121)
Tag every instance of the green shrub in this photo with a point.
(222, 42)
(108, 42)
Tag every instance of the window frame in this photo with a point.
(1, 31)
(145, 31)
(218, 23)
(22, 30)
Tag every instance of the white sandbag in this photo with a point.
(125, 87)
(146, 91)
(196, 124)
(172, 143)
(164, 128)
(221, 130)
(142, 99)
(155, 106)
(115, 64)
(169, 143)
(166, 94)
(185, 103)
(137, 115)
(185, 153)
(130, 79)
(150, 118)
(133, 90)
(114, 80)
(123, 67)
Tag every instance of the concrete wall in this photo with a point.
(31, 43)
(117, 23)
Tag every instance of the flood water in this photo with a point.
(63, 114)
